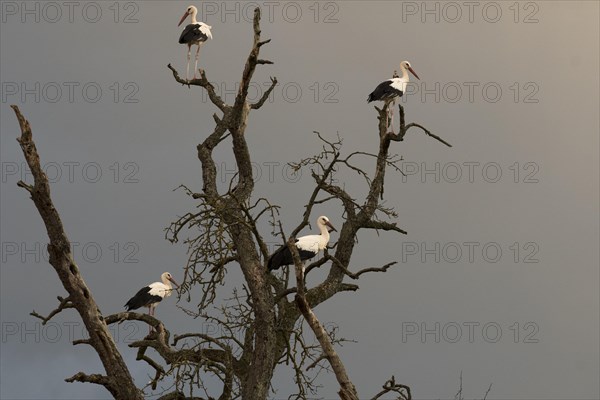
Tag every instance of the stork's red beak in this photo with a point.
(173, 282)
(183, 18)
(414, 73)
(331, 226)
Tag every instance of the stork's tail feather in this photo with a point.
(277, 258)
(131, 305)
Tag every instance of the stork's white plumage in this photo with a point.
(389, 90)
(308, 246)
(149, 296)
(195, 33)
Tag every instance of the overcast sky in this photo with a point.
(498, 276)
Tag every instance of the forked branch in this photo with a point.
(347, 388)
(404, 129)
(64, 303)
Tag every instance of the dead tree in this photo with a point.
(117, 380)
(225, 235)
(261, 327)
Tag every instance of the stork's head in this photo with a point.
(191, 10)
(324, 221)
(167, 277)
(405, 65)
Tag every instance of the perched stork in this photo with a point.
(308, 246)
(195, 33)
(388, 91)
(149, 296)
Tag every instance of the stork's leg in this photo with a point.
(152, 312)
(197, 56)
(387, 115)
(387, 118)
(391, 111)
(187, 70)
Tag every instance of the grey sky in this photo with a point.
(519, 99)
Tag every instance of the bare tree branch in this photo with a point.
(160, 371)
(203, 82)
(64, 303)
(356, 275)
(391, 386)
(347, 389)
(25, 186)
(385, 226)
(265, 95)
(489, 389)
(177, 395)
(318, 360)
(404, 129)
(118, 380)
(232, 232)
(411, 125)
(93, 378)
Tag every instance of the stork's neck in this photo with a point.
(404, 76)
(194, 13)
(166, 282)
(324, 232)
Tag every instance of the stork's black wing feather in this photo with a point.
(283, 256)
(384, 91)
(142, 298)
(192, 34)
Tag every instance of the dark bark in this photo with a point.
(270, 323)
(347, 389)
(357, 217)
(118, 380)
(230, 207)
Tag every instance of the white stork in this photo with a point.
(149, 296)
(194, 33)
(388, 91)
(308, 246)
